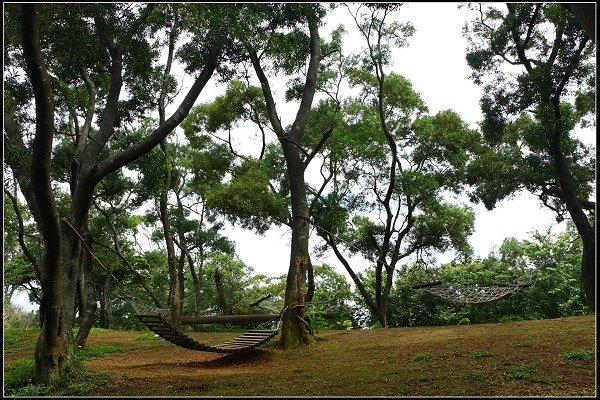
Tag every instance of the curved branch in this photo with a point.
(41, 151)
(21, 238)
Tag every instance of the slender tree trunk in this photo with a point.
(87, 307)
(174, 278)
(196, 278)
(221, 298)
(108, 318)
(174, 292)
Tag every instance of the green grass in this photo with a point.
(579, 355)
(525, 358)
(525, 371)
(475, 355)
(422, 357)
(20, 339)
(19, 375)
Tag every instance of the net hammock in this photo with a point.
(470, 294)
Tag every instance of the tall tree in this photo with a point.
(294, 329)
(107, 51)
(391, 166)
(537, 68)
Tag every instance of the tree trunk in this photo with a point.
(295, 330)
(174, 292)
(586, 15)
(87, 306)
(569, 196)
(221, 298)
(54, 352)
(107, 304)
(54, 347)
(196, 283)
(174, 285)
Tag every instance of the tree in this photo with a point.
(21, 249)
(586, 14)
(294, 332)
(390, 166)
(98, 50)
(530, 111)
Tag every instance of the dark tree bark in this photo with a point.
(221, 296)
(174, 276)
(87, 303)
(295, 330)
(581, 221)
(551, 100)
(60, 268)
(52, 345)
(586, 15)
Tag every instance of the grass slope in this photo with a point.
(526, 358)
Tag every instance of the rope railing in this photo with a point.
(470, 294)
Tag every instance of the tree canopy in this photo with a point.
(120, 184)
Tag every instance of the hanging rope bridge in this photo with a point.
(247, 341)
(470, 294)
(157, 320)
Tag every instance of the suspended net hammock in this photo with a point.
(470, 294)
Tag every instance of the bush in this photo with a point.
(464, 321)
(510, 318)
(15, 317)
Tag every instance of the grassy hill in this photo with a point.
(553, 357)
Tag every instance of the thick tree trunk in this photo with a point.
(295, 329)
(586, 15)
(54, 348)
(54, 353)
(569, 196)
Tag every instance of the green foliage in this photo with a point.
(464, 321)
(476, 355)
(14, 316)
(333, 295)
(579, 355)
(235, 279)
(421, 356)
(550, 262)
(18, 379)
(525, 371)
(247, 198)
(510, 318)
(550, 64)
(347, 324)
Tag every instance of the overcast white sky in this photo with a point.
(435, 63)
